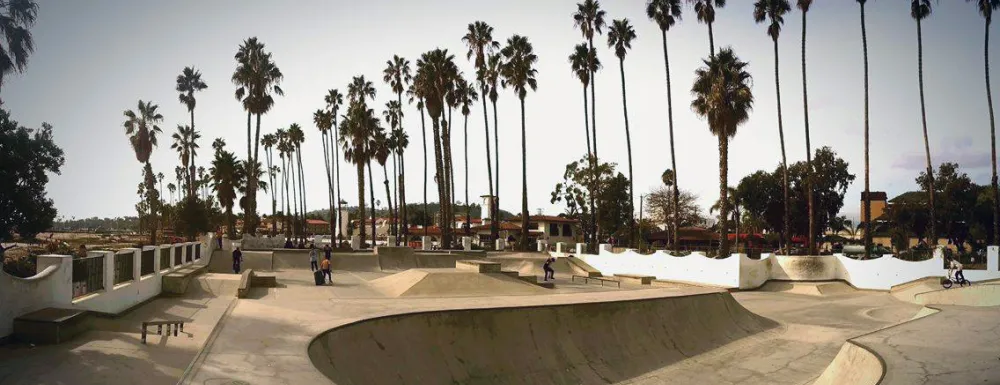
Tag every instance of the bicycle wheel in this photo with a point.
(947, 283)
(965, 282)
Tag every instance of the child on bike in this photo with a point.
(956, 267)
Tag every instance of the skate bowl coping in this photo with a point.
(570, 343)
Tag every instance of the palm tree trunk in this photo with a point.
(336, 169)
(927, 146)
(371, 189)
(587, 223)
(489, 159)
(285, 229)
(302, 191)
(809, 169)
(296, 225)
(468, 216)
(441, 179)
(673, 155)
(723, 196)
(993, 140)
(450, 177)
(628, 143)
(867, 194)
(191, 152)
(423, 136)
(274, 200)
(401, 204)
(524, 182)
(595, 160)
(388, 194)
(395, 197)
(329, 178)
(711, 40)
(150, 180)
(786, 234)
(230, 222)
(361, 201)
(495, 223)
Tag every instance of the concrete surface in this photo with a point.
(452, 283)
(975, 295)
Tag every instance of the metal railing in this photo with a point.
(124, 267)
(88, 275)
(146, 264)
(164, 258)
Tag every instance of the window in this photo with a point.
(567, 230)
(553, 229)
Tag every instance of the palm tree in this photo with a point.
(296, 137)
(257, 77)
(284, 154)
(385, 144)
(705, 9)
(589, 18)
(416, 93)
(491, 75)
(400, 141)
(159, 178)
(172, 187)
(919, 10)
(397, 75)
(986, 8)
(227, 174)
(324, 122)
(774, 11)
(584, 62)
(620, 37)
(435, 71)
(189, 82)
(666, 13)
(182, 144)
(520, 74)
(269, 141)
(866, 195)
(381, 151)
(393, 115)
(723, 96)
(17, 17)
(804, 7)
(354, 141)
(141, 127)
(334, 99)
(481, 45)
(466, 96)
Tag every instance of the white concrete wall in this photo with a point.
(52, 285)
(694, 268)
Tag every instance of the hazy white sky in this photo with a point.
(94, 59)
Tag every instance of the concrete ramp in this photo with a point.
(907, 292)
(222, 261)
(819, 289)
(451, 283)
(589, 343)
(531, 264)
(975, 295)
(854, 365)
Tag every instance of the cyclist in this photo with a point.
(954, 265)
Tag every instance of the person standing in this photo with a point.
(547, 267)
(328, 278)
(313, 258)
(327, 250)
(237, 259)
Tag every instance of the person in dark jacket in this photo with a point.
(237, 260)
(547, 267)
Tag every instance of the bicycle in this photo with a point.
(949, 281)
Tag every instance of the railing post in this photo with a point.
(109, 270)
(137, 264)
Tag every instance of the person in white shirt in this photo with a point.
(956, 267)
(313, 258)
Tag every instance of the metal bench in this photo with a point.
(601, 279)
(175, 325)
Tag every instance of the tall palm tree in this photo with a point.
(284, 155)
(481, 45)
(435, 71)
(401, 140)
(520, 74)
(866, 195)
(920, 10)
(620, 37)
(416, 93)
(257, 77)
(986, 8)
(189, 82)
(723, 96)
(16, 17)
(392, 115)
(397, 75)
(269, 141)
(334, 99)
(182, 144)
(666, 13)
(226, 174)
(354, 142)
(381, 152)
(172, 188)
(466, 96)
(589, 18)
(159, 178)
(804, 5)
(324, 122)
(705, 9)
(774, 12)
(141, 127)
(491, 75)
(296, 137)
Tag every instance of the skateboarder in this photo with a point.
(237, 259)
(326, 270)
(313, 258)
(547, 267)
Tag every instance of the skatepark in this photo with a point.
(396, 315)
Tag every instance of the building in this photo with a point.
(881, 211)
(879, 201)
(552, 229)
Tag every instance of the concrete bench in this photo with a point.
(511, 273)
(635, 279)
(246, 280)
(602, 280)
(50, 325)
(478, 266)
(175, 283)
(263, 280)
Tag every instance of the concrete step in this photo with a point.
(50, 325)
(176, 282)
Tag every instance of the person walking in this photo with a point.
(327, 251)
(547, 267)
(328, 278)
(237, 259)
(313, 258)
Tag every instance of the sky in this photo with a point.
(95, 59)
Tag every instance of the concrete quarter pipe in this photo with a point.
(590, 343)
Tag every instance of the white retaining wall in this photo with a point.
(52, 285)
(738, 271)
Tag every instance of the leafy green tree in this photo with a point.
(580, 180)
(16, 18)
(615, 207)
(27, 157)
